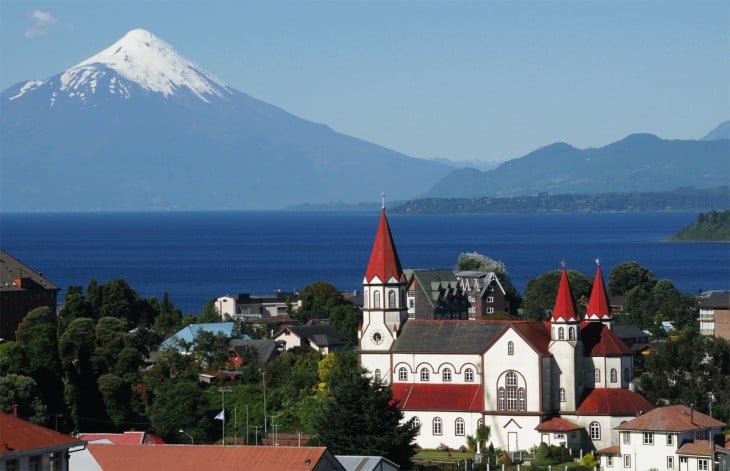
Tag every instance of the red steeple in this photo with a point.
(598, 306)
(384, 262)
(564, 309)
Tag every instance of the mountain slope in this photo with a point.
(139, 127)
(640, 162)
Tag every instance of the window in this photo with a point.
(490, 288)
(609, 461)
(424, 374)
(521, 399)
(627, 461)
(510, 396)
(469, 375)
(561, 333)
(627, 437)
(376, 299)
(11, 465)
(402, 374)
(670, 439)
(702, 465)
(411, 303)
(460, 427)
(377, 375)
(562, 394)
(670, 462)
(490, 299)
(34, 463)
(500, 399)
(595, 430)
(446, 375)
(626, 374)
(490, 310)
(417, 421)
(437, 428)
(510, 348)
(597, 375)
(648, 438)
(391, 298)
(614, 375)
(571, 334)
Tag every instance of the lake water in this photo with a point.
(200, 255)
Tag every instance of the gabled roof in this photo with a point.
(611, 450)
(600, 341)
(436, 284)
(15, 275)
(715, 300)
(320, 335)
(190, 333)
(598, 306)
(366, 463)
(564, 308)
(453, 397)
(676, 418)
(266, 349)
(615, 402)
(18, 436)
(384, 263)
(220, 458)
(701, 448)
(468, 276)
(126, 438)
(556, 424)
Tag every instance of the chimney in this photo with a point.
(692, 412)
(15, 410)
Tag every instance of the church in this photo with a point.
(563, 381)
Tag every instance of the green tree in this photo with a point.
(74, 305)
(345, 319)
(208, 314)
(318, 300)
(181, 403)
(628, 275)
(474, 261)
(22, 391)
(360, 418)
(168, 321)
(540, 292)
(117, 395)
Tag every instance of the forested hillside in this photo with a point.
(712, 226)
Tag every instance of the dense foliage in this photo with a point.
(540, 293)
(712, 226)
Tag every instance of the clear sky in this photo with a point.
(490, 80)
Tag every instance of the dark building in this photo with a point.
(435, 295)
(484, 292)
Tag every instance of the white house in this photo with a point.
(562, 381)
(672, 438)
(321, 338)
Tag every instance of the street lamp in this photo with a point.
(192, 442)
(223, 403)
(263, 375)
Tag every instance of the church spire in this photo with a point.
(384, 263)
(598, 306)
(564, 309)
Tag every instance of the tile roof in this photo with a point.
(615, 402)
(12, 270)
(598, 306)
(600, 341)
(556, 424)
(126, 438)
(701, 448)
(612, 450)
(384, 263)
(320, 335)
(535, 333)
(266, 349)
(564, 308)
(676, 418)
(18, 436)
(220, 458)
(455, 397)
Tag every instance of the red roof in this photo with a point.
(612, 450)
(600, 341)
(126, 438)
(700, 448)
(18, 436)
(564, 309)
(537, 334)
(598, 305)
(677, 418)
(455, 397)
(384, 262)
(220, 458)
(614, 401)
(556, 424)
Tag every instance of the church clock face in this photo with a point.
(377, 337)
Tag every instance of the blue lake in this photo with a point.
(200, 255)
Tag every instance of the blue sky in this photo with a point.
(488, 80)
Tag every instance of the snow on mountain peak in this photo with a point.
(143, 58)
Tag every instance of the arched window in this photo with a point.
(511, 393)
(614, 375)
(460, 426)
(402, 374)
(417, 422)
(562, 394)
(437, 428)
(561, 333)
(571, 333)
(595, 430)
(597, 375)
(521, 399)
(425, 376)
(500, 399)
(511, 379)
(510, 348)
(480, 422)
(365, 298)
(391, 298)
(469, 375)
(377, 375)
(446, 375)
(376, 299)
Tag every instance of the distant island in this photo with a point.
(712, 226)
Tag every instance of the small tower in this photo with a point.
(567, 348)
(599, 309)
(384, 309)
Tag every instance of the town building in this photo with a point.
(259, 306)
(435, 295)
(244, 351)
(485, 293)
(321, 338)
(563, 381)
(715, 314)
(184, 339)
(21, 290)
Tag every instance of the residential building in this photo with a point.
(715, 313)
(517, 377)
(27, 446)
(671, 438)
(321, 338)
(126, 438)
(366, 463)
(485, 293)
(435, 295)
(21, 290)
(241, 351)
(183, 340)
(256, 306)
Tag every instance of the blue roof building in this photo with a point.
(187, 335)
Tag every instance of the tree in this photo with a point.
(180, 403)
(318, 300)
(628, 275)
(540, 292)
(168, 320)
(209, 314)
(360, 418)
(22, 391)
(345, 319)
(474, 261)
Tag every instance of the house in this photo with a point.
(105, 457)
(672, 438)
(126, 438)
(435, 294)
(183, 339)
(263, 350)
(24, 445)
(715, 313)
(484, 292)
(247, 306)
(517, 377)
(366, 463)
(21, 290)
(321, 338)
